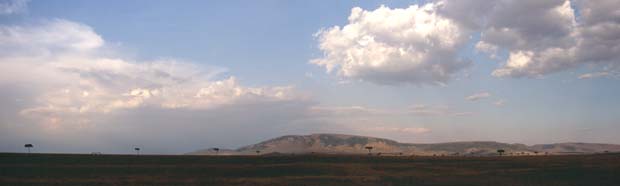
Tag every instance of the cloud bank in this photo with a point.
(60, 79)
(77, 80)
(420, 44)
(544, 37)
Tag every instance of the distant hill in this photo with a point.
(351, 144)
(576, 148)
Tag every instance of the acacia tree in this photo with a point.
(501, 151)
(257, 152)
(216, 150)
(28, 146)
(369, 148)
(137, 151)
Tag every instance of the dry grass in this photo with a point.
(58, 169)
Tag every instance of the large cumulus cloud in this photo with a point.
(413, 45)
(420, 44)
(543, 37)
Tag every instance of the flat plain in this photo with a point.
(280, 170)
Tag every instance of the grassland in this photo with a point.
(68, 170)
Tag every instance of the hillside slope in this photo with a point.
(351, 144)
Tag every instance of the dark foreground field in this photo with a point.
(46, 169)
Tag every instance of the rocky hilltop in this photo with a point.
(351, 144)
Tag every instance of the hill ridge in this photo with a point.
(334, 143)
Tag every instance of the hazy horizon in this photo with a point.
(172, 77)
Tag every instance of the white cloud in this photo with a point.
(542, 37)
(478, 96)
(347, 111)
(49, 40)
(537, 35)
(487, 48)
(419, 44)
(359, 111)
(414, 130)
(595, 75)
(70, 85)
(414, 45)
(500, 103)
(8, 7)
(434, 110)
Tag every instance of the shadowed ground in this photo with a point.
(64, 169)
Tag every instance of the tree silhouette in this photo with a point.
(369, 148)
(28, 146)
(501, 151)
(216, 150)
(137, 151)
(536, 152)
(257, 152)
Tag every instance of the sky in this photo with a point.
(174, 76)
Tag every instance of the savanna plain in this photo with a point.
(310, 169)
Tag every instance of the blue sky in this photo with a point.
(269, 45)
